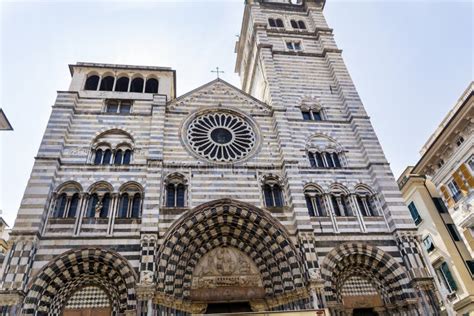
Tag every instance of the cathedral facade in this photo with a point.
(273, 197)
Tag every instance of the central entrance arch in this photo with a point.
(232, 230)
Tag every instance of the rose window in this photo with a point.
(221, 137)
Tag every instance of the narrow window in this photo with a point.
(151, 86)
(448, 277)
(267, 192)
(428, 244)
(125, 107)
(277, 195)
(317, 116)
(312, 161)
(137, 85)
(454, 188)
(306, 115)
(319, 160)
(122, 84)
(170, 195)
(294, 24)
(118, 157)
(335, 158)
(320, 206)
(297, 45)
(414, 213)
(107, 157)
(73, 206)
(440, 206)
(136, 205)
(362, 207)
(309, 205)
(107, 83)
(104, 211)
(289, 45)
(301, 25)
(453, 232)
(470, 265)
(94, 199)
(127, 157)
(271, 22)
(98, 157)
(123, 209)
(329, 160)
(112, 106)
(180, 193)
(346, 206)
(92, 82)
(60, 206)
(279, 23)
(460, 141)
(335, 205)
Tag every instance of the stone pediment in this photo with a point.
(220, 93)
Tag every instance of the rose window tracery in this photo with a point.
(221, 136)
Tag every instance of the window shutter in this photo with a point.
(467, 175)
(447, 196)
(449, 277)
(460, 183)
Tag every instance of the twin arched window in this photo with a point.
(130, 205)
(275, 22)
(175, 186)
(98, 206)
(66, 206)
(298, 25)
(312, 115)
(272, 192)
(122, 84)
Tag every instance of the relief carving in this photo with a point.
(231, 271)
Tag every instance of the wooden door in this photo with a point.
(88, 312)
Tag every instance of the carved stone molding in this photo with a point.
(145, 291)
(10, 299)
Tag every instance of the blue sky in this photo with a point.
(410, 62)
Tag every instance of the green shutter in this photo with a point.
(448, 276)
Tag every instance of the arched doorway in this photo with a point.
(89, 300)
(360, 279)
(236, 231)
(60, 282)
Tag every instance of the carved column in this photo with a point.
(147, 285)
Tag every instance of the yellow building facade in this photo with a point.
(439, 192)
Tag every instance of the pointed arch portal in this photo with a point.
(217, 227)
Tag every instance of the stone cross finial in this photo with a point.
(217, 71)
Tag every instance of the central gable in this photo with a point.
(219, 93)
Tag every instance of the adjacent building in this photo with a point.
(439, 192)
(4, 123)
(273, 197)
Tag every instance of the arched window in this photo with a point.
(301, 25)
(151, 86)
(60, 206)
(123, 209)
(73, 206)
(122, 84)
(273, 195)
(118, 157)
(107, 157)
(130, 202)
(137, 85)
(175, 191)
(366, 202)
(315, 202)
(107, 83)
(104, 211)
(92, 82)
(93, 200)
(279, 23)
(294, 24)
(271, 22)
(98, 157)
(127, 156)
(136, 206)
